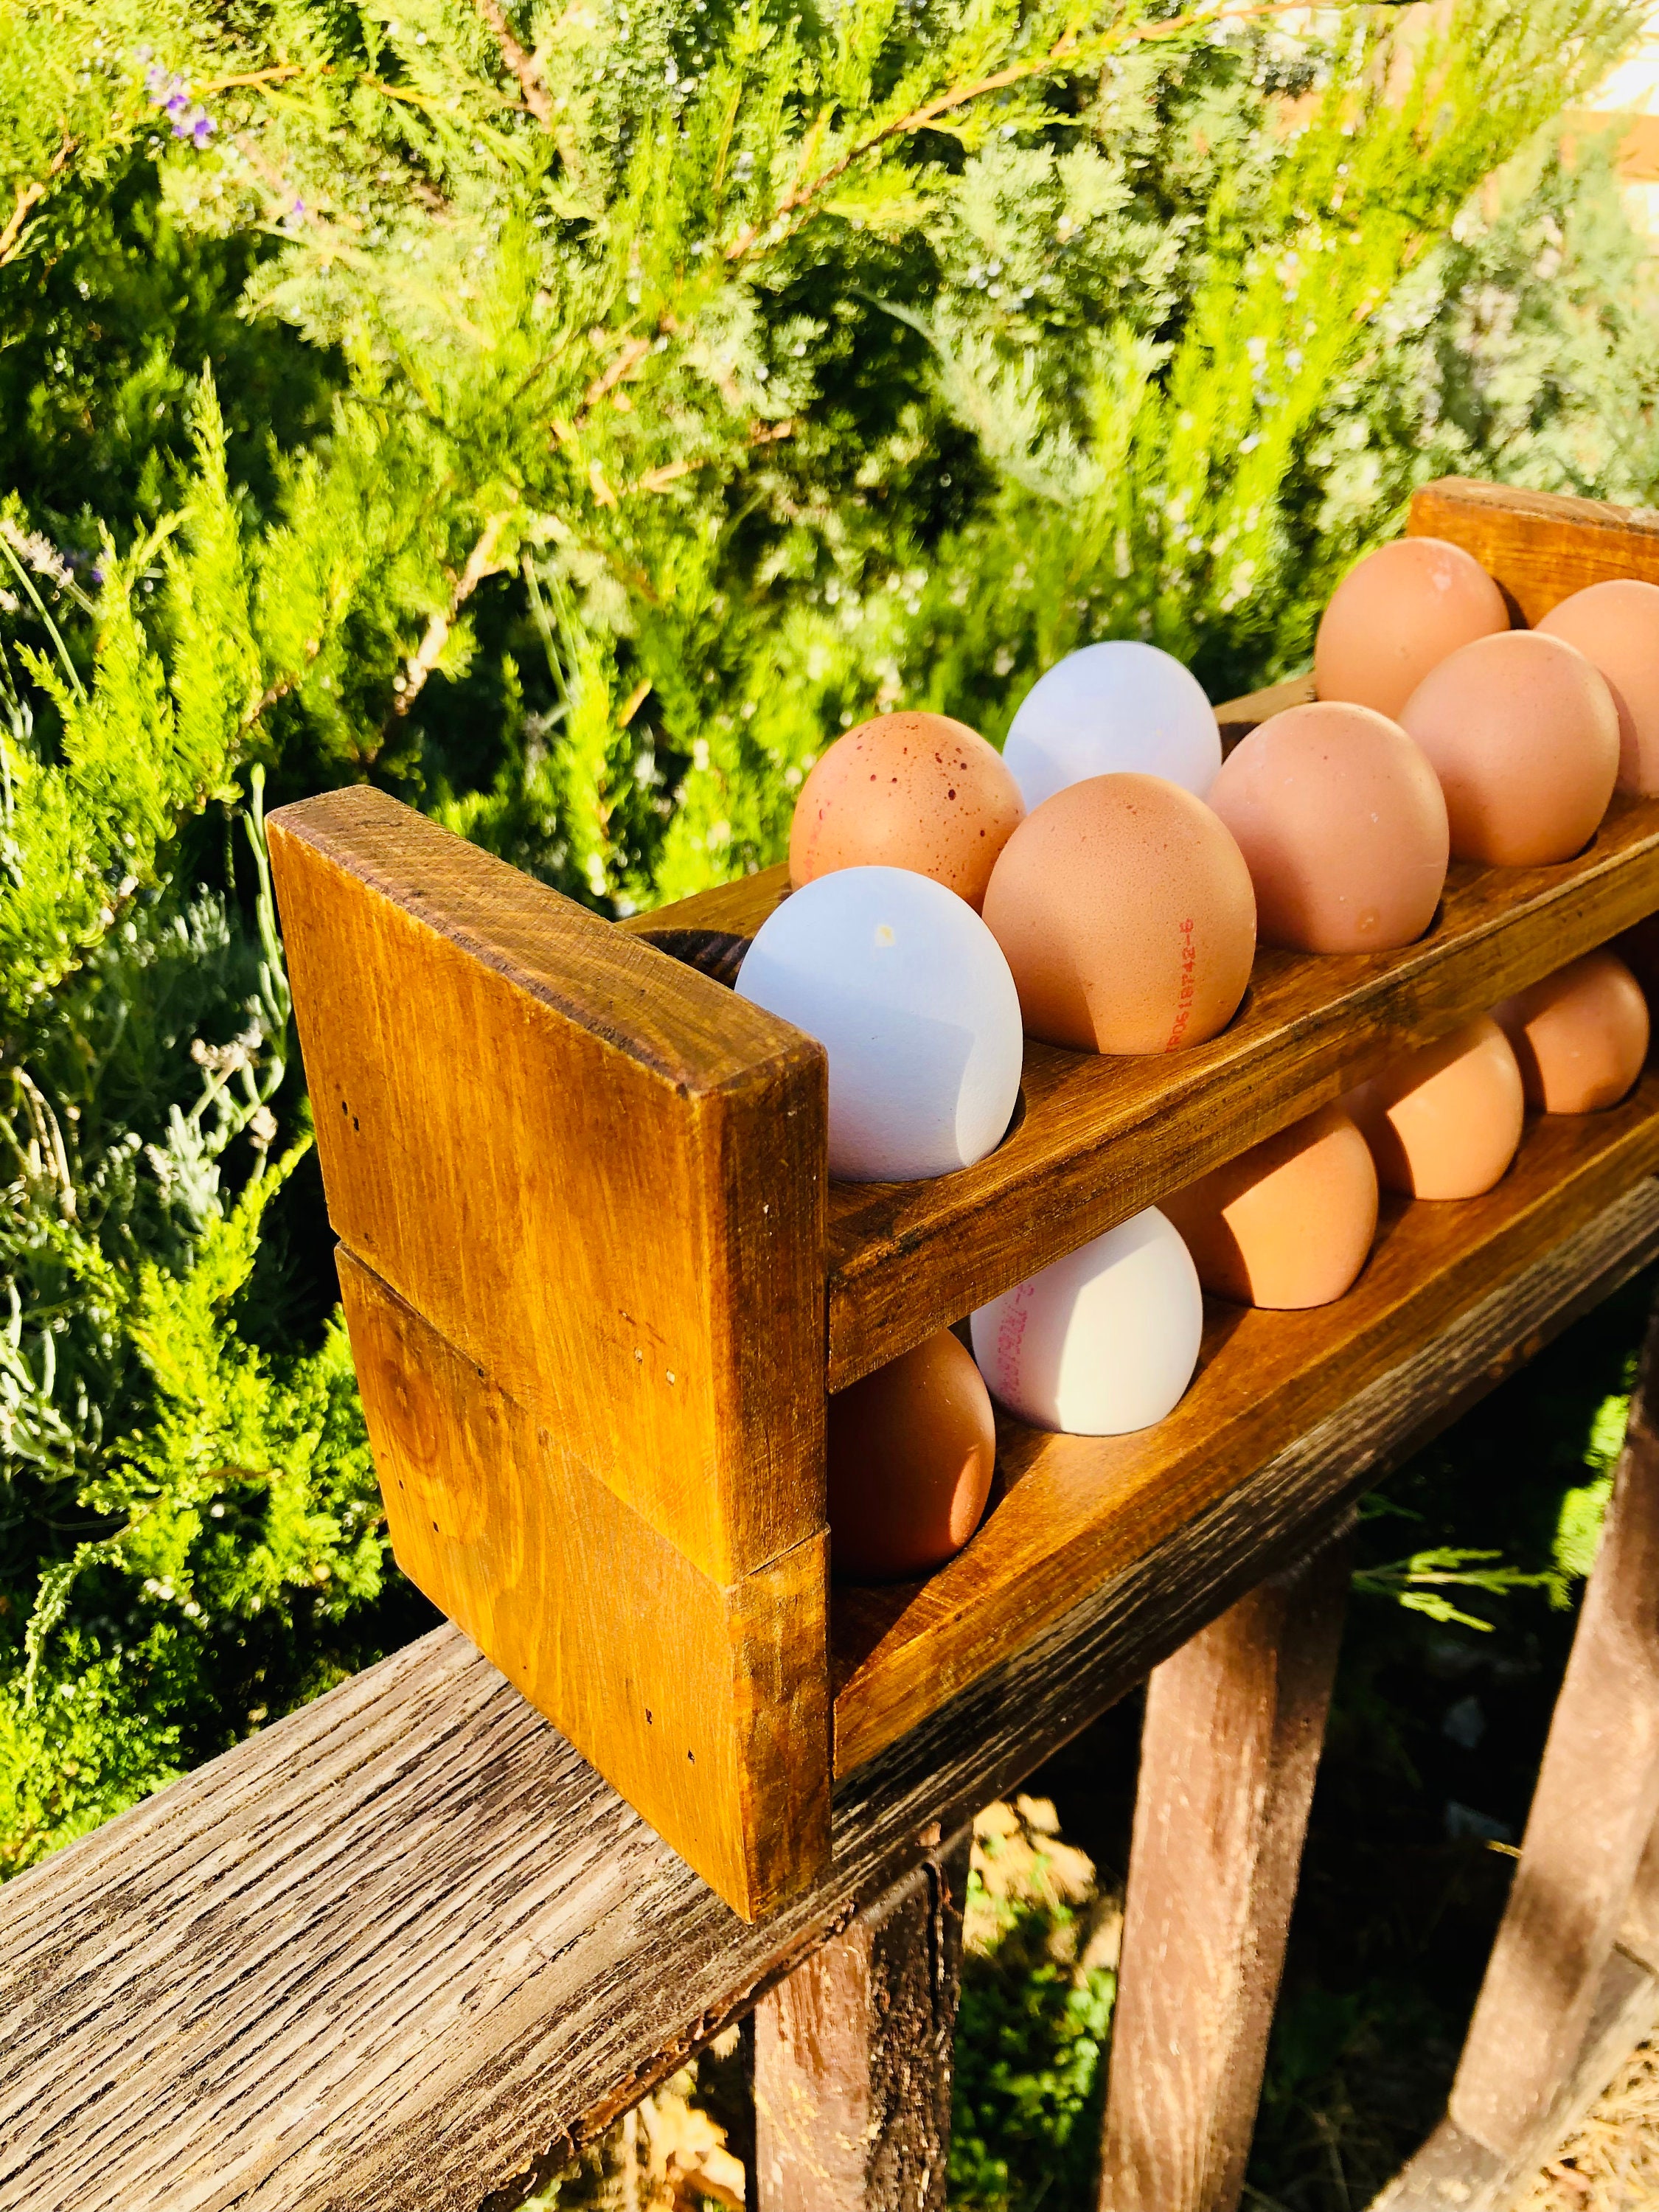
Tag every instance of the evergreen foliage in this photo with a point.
(571, 417)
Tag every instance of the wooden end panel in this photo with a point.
(595, 1171)
(1542, 548)
(1073, 1512)
(705, 1705)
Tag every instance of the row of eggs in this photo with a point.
(1106, 1341)
(1103, 883)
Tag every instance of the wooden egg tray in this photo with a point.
(599, 1281)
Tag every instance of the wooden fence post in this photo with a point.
(1229, 1748)
(853, 2055)
(1592, 1814)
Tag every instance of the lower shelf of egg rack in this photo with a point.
(1069, 1513)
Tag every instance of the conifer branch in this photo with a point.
(481, 562)
(523, 66)
(29, 197)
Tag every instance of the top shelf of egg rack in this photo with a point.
(1095, 1139)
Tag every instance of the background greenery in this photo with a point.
(570, 418)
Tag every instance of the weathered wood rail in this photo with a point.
(405, 1950)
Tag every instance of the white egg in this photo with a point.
(1104, 1341)
(1108, 707)
(909, 995)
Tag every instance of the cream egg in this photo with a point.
(1615, 625)
(1117, 706)
(1580, 1036)
(907, 791)
(1397, 614)
(1341, 822)
(911, 998)
(1125, 912)
(1444, 1122)
(1523, 732)
(912, 1449)
(1103, 1342)
(1288, 1223)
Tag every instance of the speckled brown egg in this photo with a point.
(1289, 1223)
(1580, 1036)
(911, 1452)
(1342, 824)
(907, 791)
(1523, 732)
(1124, 910)
(1616, 626)
(1445, 1122)
(1395, 615)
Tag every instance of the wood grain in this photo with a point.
(597, 1173)
(1229, 1749)
(853, 2054)
(1593, 1812)
(1540, 547)
(1073, 1511)
(401, 1950)
(706, 1704)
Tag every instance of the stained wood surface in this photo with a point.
(596, 1172)
(1071, 1511)
(402, 1950)
(706, 1704)
(1229, 1750)
(1540, 547)
(853, 2054)
(1593, 1812)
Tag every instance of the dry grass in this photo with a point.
(1610, 2163)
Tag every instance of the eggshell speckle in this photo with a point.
(1523, 732)
(1104, 1341)
(1616, 626)
(907, 791)
(1119, 707)
(1341, 822)
(1289, 1223)
(912, 1449)
(1445, 1123)
(1395, 615)
(1580, 1036)
(1125, 911)
(908, 992)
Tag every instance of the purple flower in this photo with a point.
(202, 129)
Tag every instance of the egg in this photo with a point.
(1342, 824)
(1396, 615)
(1444, 1122)
(1117, 705)
(1580, 1036)
(1616, 626)
(912, 1449)
(1287, 1223)
(1523, 732)
(1103, 1342)
(1125, 912)
(907, 791)
(911, 996)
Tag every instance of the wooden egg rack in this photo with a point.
(599, 1282)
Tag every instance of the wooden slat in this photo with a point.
(1076, 1510)
(1229, 1750)
(1540, 547)
(853, 2055)
(398, 1952)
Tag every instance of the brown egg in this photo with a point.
(1395, 615)
(911, 1451)
(1616, 626)
(1580, 1036)
(1523, 735)
(1445, 1123)
(1126, 913)
(907, 791)
(1287, 1223)
(1341, 820)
